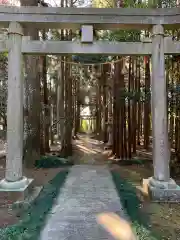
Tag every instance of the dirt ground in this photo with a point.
(40, 176)
(164, 217)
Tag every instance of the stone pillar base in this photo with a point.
(161, 191)
(11, 192)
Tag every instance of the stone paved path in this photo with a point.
(88, 190)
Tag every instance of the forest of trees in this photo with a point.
(119, 93)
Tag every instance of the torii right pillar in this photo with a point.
(161, 186)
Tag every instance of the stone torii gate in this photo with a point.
(16, 18)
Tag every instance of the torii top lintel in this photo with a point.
(100, 18)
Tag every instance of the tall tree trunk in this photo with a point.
(77, 122)
(147, 105)
(42, 132)
(32, 108)
(129, 110)
(46, 104)
(67, 140)
(60, 104)
(105, 105)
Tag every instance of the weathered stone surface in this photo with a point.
(98, 47)
(164, 192)
(89, 190)
(14, 106)
(100, 18)
(165, 195)
(11, 194)
(161, 150)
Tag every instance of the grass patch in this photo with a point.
(131, 204)
(129, 162)
(52, 162)
(33, 219)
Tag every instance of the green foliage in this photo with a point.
(173, 95)
(52, 162)
(91, 59)
(84, 125)
(103, 3)
(142, 95)
(122, 35)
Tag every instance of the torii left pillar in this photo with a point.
(15, 183)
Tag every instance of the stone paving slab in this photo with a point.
(88, 190)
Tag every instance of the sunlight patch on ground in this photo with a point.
(85, 149)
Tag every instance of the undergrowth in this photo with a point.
(52, 162)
